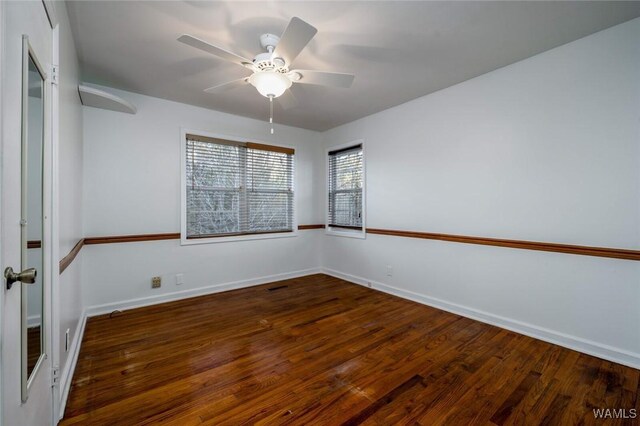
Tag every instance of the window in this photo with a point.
(346, 178)
(235, 188)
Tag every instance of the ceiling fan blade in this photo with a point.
(220, 88)
(214, 50)
(295, 37)
(322, 78)
(287, 100)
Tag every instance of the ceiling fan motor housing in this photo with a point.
(264, 62)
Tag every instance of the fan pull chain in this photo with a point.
(271, 112)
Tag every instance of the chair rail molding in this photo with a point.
(616, 253)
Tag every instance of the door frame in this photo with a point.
(2, 5)
(54, 220)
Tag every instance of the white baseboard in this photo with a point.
(33, 321)
(589, 347)
(67, 373)
(201, 291)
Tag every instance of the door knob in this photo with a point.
(28, 276)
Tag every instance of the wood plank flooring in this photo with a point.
(319, 350)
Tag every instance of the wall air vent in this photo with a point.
(97, 98)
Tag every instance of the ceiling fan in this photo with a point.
(272, 74)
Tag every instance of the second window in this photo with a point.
(346, 181)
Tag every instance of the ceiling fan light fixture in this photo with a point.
(270, 83)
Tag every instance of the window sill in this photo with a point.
(349, 233)
(248, 237)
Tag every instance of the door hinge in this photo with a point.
(54, 74)
(55, 376)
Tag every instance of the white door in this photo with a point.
(25, 213)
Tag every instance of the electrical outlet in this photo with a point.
(389, 270)
(66, 340)
(156, 282)
(179, 279)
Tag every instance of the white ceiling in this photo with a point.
(397, 50)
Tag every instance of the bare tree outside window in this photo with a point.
(233, 189)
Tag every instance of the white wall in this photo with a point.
(69, 191)
(132, 186)
(547, 149)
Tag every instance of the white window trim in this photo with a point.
(342, 232)
(183, 194)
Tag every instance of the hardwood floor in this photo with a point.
(318, 350)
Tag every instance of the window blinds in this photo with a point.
(236, 188)
(345, 187)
